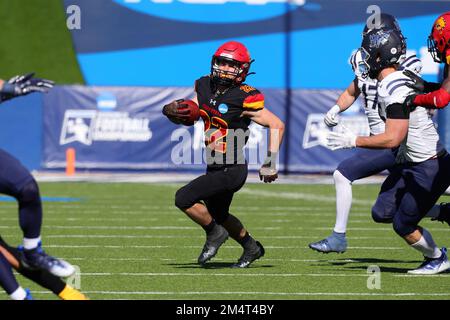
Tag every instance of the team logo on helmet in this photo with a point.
(380, 38)
(440, 24)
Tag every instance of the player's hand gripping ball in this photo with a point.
(182, 111)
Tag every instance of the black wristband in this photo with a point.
(271, 159)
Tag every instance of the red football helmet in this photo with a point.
(439, 39)
(234, 54)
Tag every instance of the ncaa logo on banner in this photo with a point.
(105, 124)
(77, 126)
(217, 11)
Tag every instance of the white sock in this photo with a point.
(29, 244)
(427, 246)
(434, 212)
(19, 294)
(343, 201)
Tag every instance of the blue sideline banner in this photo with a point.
(21, 123)
(307, 150)
(110, 128)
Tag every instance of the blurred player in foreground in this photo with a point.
(16, 181)
(11, 257)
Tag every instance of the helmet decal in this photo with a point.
(380, 38)
(440, 24)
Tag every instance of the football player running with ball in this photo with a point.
(227, 107)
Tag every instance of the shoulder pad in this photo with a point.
(393, 89)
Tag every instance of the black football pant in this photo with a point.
(215, 188)
(16, 181)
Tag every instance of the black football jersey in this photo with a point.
(226, 132)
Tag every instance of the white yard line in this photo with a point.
(172, 274)
(196, 247)
(215, 259)
(264, 293)
(90, 227)
(299, 196)
(119, 236)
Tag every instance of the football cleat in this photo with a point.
(214, 240)
(37, 259)
(444, 213)
(28, 296)
(433, 266)
(70, 293)
(447, 192)
(249, 256)
(331, 244)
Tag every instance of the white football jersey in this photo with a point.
(422, 141)
(368, 89)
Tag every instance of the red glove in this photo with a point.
(436, 99)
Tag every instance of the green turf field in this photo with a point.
(130, 242)
(34, 37)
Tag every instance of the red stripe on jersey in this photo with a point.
(254, 98)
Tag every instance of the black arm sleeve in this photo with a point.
(397, 111)
(431, 86)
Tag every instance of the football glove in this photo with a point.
(268, 172)
(175, 113)
(331, 119)
(417, 84)
(409, 102)
(341, 140)
(24, 84)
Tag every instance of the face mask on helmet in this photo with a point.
(226, 71)
(370, 67)
(433, 50)
(358, 60)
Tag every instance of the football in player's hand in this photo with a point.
(190, 108)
